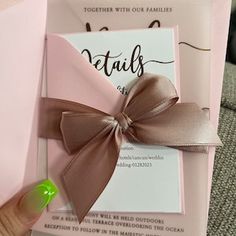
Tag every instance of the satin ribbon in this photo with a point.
(150, 115)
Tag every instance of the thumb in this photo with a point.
(19, 214)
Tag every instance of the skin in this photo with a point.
(15, 221)
(20, 213)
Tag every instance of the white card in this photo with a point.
(147, 178)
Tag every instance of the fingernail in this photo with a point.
(36, 200)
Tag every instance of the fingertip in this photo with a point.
(32, 204)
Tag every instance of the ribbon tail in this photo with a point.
(184, 126)
(90, 171)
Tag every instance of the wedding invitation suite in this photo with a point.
(122, 57)
(203, 28)
(198, 47)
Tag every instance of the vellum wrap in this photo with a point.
(150, 115)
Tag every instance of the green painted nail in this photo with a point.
(36, 200)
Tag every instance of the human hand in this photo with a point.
(19, 214)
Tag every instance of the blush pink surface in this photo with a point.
(22, 37)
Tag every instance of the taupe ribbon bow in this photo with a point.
(150, 115)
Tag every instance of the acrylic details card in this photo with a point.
(150, 176)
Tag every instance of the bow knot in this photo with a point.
(95, 136)
(123, 120)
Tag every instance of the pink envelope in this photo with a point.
(22, 46)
